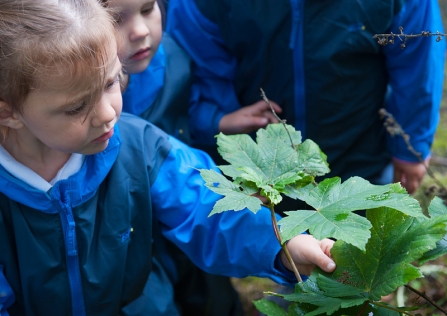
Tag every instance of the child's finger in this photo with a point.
(276, 107)
(270, 117)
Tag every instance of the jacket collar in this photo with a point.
(74, 190)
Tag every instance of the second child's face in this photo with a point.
(139, 29)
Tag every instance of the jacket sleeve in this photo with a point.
(6, 294)
(415, 77)
(231, 243)
(213, 94)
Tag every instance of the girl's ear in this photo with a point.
(9, 118)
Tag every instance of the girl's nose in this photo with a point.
(139, 29)
(103, 113)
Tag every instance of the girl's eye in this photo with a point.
(148, 10)
(118, 18)
(77, 111)
(111, 84)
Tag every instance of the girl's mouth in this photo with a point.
(141, 54)
(104, 137)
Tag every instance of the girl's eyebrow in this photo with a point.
(73, 102)
(81, 96)
(116, 70)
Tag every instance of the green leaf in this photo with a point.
(311, 159)
(440, 250)
(342, 225)
(436, 208)
(299, 309)
(269, 308)
(334, 203)
(342, 300)
(369, 310)
(272, 164)
(270, 158)
(358, 194)
(396, 241)
(234, 199)
(231, 171)
(309, 293)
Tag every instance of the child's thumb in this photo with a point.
(326, 263)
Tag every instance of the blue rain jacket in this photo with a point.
(319, 62)
(88, 246)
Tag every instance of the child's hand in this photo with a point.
(306, 252)
(249, 118)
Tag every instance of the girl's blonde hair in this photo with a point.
(68, 40)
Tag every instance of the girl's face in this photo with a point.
(56, 120)
(139, 29)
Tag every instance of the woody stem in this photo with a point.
(283, 245)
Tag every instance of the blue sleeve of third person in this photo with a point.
(213, 94)
(416, 75)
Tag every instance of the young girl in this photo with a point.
(81, 191)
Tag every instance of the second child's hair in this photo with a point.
(162, 5)
(66, 40)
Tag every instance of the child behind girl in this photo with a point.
(156, 71)
(83, 194)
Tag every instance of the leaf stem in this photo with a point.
(363, 308)
(421, 294)
(273, 294)
(277, 117)
(283, 245)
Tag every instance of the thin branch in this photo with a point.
(394, 128)
(430, 301)
(273, 294)
(385, 39)
(277, 117)
(283, 245)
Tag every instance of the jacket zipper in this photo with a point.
(74, 273)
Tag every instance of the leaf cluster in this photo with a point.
(270, 167)
(374, 255)
(362, 278)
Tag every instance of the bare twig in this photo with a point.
(385, 39)
(394, 128)
(422, 294)
(277, 117)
